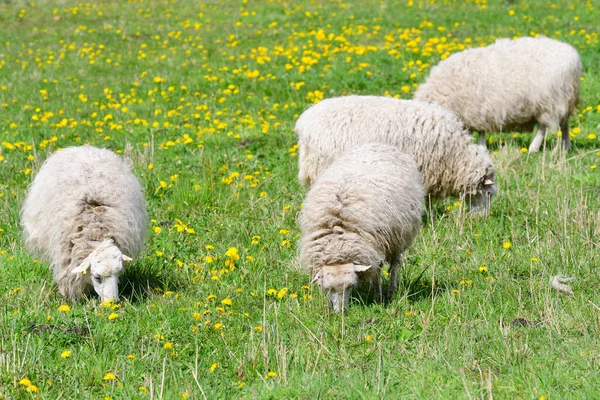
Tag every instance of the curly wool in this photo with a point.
(82, 198)
(440, 145)
(509, 85)
(364, 209)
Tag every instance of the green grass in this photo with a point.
(176, 80)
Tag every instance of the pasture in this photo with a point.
(203, 96)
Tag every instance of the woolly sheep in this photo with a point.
(509, 86)
(85, 214)
(449, 163)
(363, 210)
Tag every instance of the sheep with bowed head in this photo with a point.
(363, 210)
(85, 214)
(510, 85)
(449, 163)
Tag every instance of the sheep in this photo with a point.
(509, 85)
(449, 163)
(363, 210)
(85, 214)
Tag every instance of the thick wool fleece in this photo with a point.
(442, 148)
(81, 197)
(364, 209)
(509, 85)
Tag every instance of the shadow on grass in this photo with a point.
(413, 289)
(141, 281)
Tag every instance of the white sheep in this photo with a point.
(442, 148)
(83, 213)
(363, 210)
(509, 85)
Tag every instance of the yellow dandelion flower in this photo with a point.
(157, 229)
(534, 259)
(168, 345)
(64, 308)
(25, 382)
(506, 244)
(130, 356)
(65, 354)
(213, 367)
(109, 376)
(113, 316)
(226, 302)
(272, 374)
(591, 136)
(218, 326)
(483, 268)
(281, 293)
(524, 150)
(32, 389)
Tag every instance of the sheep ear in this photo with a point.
(488, 182)
(316, 277)
(82, 269)
(126, 258)
(361, 268)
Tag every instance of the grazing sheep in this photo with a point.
(509, 86)
(363, 210)
(449, 163)
(84, 211)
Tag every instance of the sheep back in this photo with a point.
(442, 148)
(364, 209)
(80, 197)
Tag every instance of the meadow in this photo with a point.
(203, 96)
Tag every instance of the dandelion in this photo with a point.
(64, 308)
(591, 136)
(65, 354)
(218, 326)
(524, 150)
(272, 374)
(534, 259)
(25, 382)
(143, 389)
(258, 328)
(168, 345)
(130, 356)
(213, 367)
(226, 302)
(109, 376)
(113, 316)
(483, 268)
(506, 245)
(232, 253)
(281, 293)
(32, 389)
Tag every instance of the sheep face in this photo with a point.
(339, 280)
(102, 269)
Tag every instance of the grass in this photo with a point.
(203, 96)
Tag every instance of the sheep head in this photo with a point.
(338, 280)
(102, 269)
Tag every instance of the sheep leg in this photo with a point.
(378, 291)
(537, 141)
(482, 141)
(566, 139)
(393, 285)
